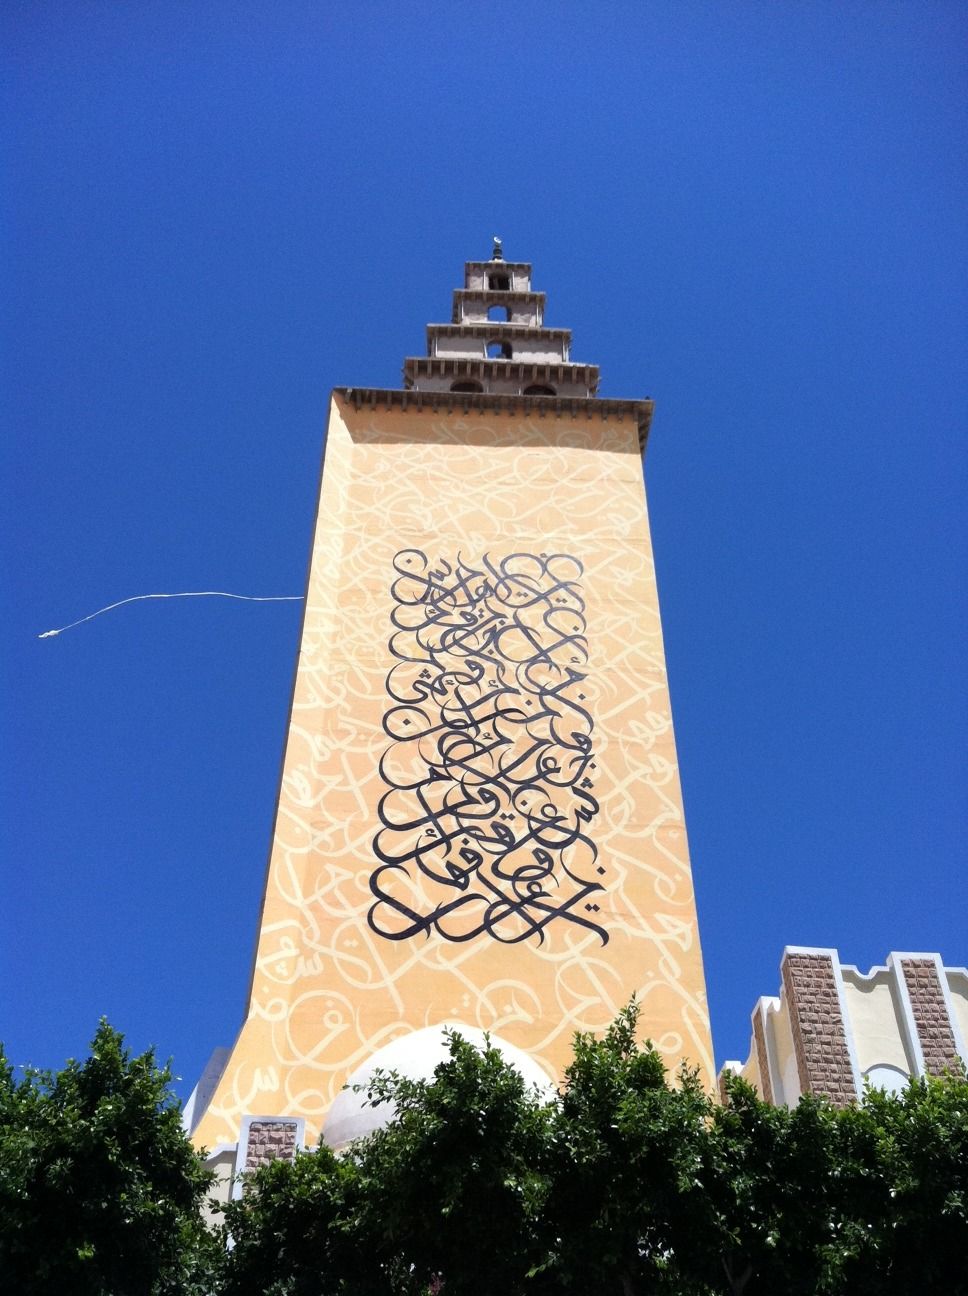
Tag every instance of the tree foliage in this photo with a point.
(100, 1191)
(621, 1183)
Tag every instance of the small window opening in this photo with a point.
(539, 389)
(499, 350)
(466, 385)
(499, 282)
(499, 312)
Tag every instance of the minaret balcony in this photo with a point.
(507, 377)
(499, 342)
(475, 306)
(500, 276)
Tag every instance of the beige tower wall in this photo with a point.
(536, 526)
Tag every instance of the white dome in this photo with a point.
(415, 1056)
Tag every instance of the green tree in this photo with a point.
(449, 1196)
(454, 1188)
(100, 1190)
(771, 1184)
(628, 1154)
(296, 1231)
(623, 1184)
(902, 1217)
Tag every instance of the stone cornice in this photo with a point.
(570, 407)
(526, 370)
(498, 329)
(484, 266)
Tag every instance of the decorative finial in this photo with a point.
(497, 254)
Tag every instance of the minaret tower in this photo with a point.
(479, 820)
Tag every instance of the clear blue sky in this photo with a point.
(215, 212)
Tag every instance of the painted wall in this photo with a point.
(480, 817)
(958, 990)
(874, 1016)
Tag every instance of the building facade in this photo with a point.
(480, 820)
(833, 1029)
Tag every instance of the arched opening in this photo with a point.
(499, 312)
(466, 385)
(499, 350)
(887, 1077)
(539, 389)
(499, 282)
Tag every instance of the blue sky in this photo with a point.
(215, 212)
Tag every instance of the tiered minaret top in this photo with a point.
(496, 355)
(497, 341)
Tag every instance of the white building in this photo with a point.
(834, 1028)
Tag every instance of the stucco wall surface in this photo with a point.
(874, 1016)
(354, 950)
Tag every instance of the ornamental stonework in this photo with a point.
(819, 1037)
(269, 1140)
(930, 1014)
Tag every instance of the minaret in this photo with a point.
(479, 820)
(497, 341)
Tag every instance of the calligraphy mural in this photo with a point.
(490, 769)
(444, 790)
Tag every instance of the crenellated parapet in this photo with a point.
(833, 1029)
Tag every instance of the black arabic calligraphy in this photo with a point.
(490, 768)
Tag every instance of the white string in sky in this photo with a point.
(247, 598)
